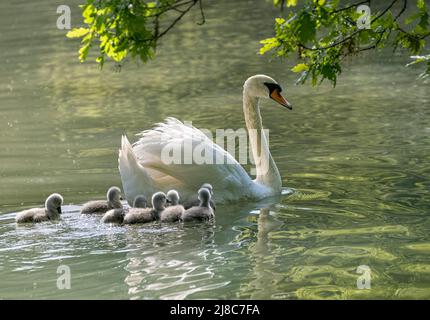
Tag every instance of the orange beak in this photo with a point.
(275, 95)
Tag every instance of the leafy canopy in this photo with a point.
(320, 32)
(127, 27)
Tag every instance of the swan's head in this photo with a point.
(209, 187)
(159, 200)
(53, 204)
(140, 202)
(262, 86)
(114, 197)
(204, 196)
(173, 197)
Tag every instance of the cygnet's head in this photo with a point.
(209, 187)
(140, 202)
(114, 197)
(204, 196)
(173, 197)
(262, 86)
(159, 200)
(53, 204)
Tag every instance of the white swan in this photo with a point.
(143, 171)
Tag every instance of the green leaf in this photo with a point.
(77, 32)
(280, 21)
(290, 3)
(421, 5)
(300, 67)
(306, 27)
(419, 59)
(269, 44)
(413, 17)
(83, 51)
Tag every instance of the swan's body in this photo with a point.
(143, 171)
(51, 211)
(203, 212)
(144, 215)
(102, 206)
(175, 210)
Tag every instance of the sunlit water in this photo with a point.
(356, 159)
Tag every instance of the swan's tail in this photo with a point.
(135, 179)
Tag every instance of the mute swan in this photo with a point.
(143, 171)
(51, 211)
(201, 213)
(194, 201)
(117, 215)
(101, 206)
(139, 215)
(173, 212)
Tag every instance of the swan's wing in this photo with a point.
(164, 152)
(135, 179)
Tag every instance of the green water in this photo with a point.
(357, 158)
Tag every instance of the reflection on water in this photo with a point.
(355, 160)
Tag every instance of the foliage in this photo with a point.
(127, 27)
(419, 59)
(322, 34)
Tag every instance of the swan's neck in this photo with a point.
(266, 171)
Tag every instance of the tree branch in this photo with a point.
(202, 13)
(335, 43)
(177, 19)
(359, 30)
(157, 35)
(384, 11)
(351, 6)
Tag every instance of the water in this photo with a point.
(356, 157)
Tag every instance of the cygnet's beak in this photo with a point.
(276, 95)
(168, 201)
(59, 210)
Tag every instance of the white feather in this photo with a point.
(143, 170)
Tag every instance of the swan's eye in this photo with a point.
(272, 87)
